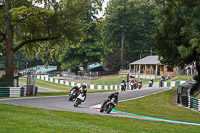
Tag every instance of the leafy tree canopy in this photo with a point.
(178, 34)
(135, 18)
(34, 22)
(88, 48)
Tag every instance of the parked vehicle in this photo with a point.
(108, 105)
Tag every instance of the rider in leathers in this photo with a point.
(76, 90)
(112, 95)
(83, 90)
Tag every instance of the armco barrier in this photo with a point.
(58, 81)
(12, 91)
(171, 84)
(194, 103)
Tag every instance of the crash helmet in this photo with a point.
(85, 85)
(116, 93)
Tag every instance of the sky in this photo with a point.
(104, 6)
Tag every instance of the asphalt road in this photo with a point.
(91, 104)
(62, 102)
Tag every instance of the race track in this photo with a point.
(62, 103)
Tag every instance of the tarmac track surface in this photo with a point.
(63, 104)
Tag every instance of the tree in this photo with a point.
(133, 19)
(29, 26)
(177, 35)
(87, 49)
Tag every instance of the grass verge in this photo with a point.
(160, 106)
(23, 119)
(180, 78)
(115, 80)
(63, 89)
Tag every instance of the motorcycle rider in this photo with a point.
(139, 84)
(124, 82)
(83, 90)
(133, 86)
(112, 95)
(75, 89)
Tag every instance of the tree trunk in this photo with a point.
(85, 68)
(122, 49)
(9, 41)
(123, 35)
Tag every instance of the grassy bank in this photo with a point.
(180, 78)
(31, 120)
(161, 106)
(115, 80)
(63, 89)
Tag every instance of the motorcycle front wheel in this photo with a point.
(77, 103)
(109, 108)
(71, 98)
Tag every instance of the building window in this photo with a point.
(162, 68)
(169, 69)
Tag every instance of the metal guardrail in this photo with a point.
(194, 103)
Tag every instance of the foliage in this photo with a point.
(177, 34)
(87, 49)
(137, 26)
(36, 22)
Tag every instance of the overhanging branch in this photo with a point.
(34, 40)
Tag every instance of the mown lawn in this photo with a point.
(116, 80)
(19, 119)
(62, 89)
(160, 106)
(180, 78)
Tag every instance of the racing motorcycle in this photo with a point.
(79, 99)
(123, 87)
(72, 95)
(139, 85)
(108, 105)
(133, 86)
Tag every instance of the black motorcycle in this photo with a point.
(73, 95)
(108, 105)
(81, 98)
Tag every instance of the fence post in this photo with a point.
(199, 105)
(189, 99)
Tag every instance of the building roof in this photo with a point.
(148, 60)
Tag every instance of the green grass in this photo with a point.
(115, 80)
(63, 89)
(180, 78)
(19, 119)
(160, 106)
